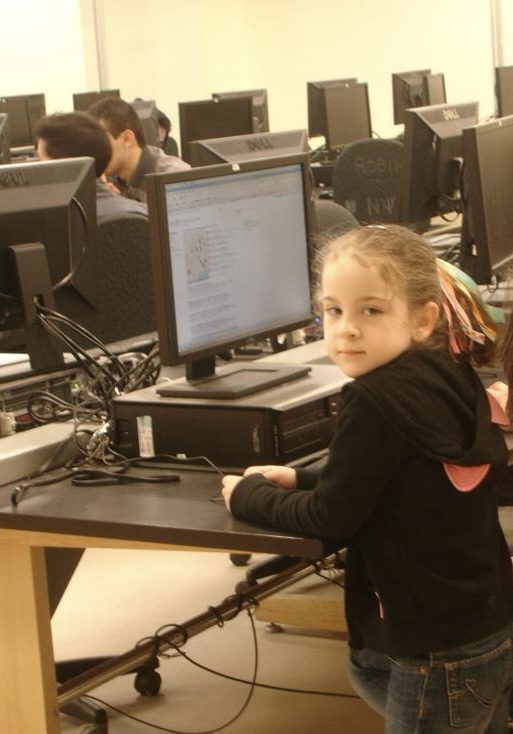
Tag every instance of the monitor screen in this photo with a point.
(147, 113)
(24, 111)
(347, 115)
(247, 147)
(432, 161)
(259, 106)
(407, 92)
(213, 119)
(315, 103)
(231, 254)
(504, 90)
(487, 232)
(52, 203)
(83, 100)
(5, 140)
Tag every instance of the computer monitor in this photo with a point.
(504, 90)
(52, 203)
(315, 102)
(347, 115)
(230, 251)
(83, 100)
(247, 147)
(147, 113)
(212, 118)
(432, 161)
(408, 91)
(5, 140)
(260, 110)
(487, 231)
(24, 111)
(433, 89)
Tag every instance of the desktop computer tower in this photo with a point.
(278, 425)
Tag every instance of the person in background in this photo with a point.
(132, 158)
(77, 134)
(408, 487)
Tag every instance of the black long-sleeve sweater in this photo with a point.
(427, 565)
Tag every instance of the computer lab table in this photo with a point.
(173, 515)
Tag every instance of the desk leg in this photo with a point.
(28, 689)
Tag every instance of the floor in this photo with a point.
(116, 598)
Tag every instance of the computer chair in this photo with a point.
(367, 180)
(126, 304)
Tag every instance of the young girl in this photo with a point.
(408, 487)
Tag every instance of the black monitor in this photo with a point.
(315, 103)
(432, 161)
(487, 232)
(260, 110)
(5, 140)
(83, 100)
(147, 113)
(24, 111)
(504, 90)
(408, 91)
(230, 251)
(433, 89)
(212, 118)
(52, 203)
(347, 115)
(247, 147)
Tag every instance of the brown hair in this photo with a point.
(73, 135)
(118, 116)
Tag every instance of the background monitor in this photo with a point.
(231, 254)
(487, 232)
(432, 161)
(433, 89)
(407, 92)
(315, 103)
(504, 90)
(347, 115)
(24, 111)
(259, 106)
(213, 119)
(147, 113)
(83, 100)
(5, 140)
(52, 203)
(247, 147)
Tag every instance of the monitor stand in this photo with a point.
(233, 381)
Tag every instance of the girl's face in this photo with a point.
(366, 323)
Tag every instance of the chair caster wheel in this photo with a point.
(239, 559)
(147, 682)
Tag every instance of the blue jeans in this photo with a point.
(465, 689)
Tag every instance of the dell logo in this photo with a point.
(450, 114)
(13, 180)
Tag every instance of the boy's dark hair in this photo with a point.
(117, 116)
(73, 135)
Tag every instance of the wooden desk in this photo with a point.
(177, 516)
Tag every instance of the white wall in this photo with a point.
(172, 50)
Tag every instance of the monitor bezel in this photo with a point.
(5, 139)
(402, 81)
(436, 129)
(245, 147)
(315, 102)
(187, 111)
(479, 231)
(161, 261)
(362, 90)
(503, 90)
(259, 103)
